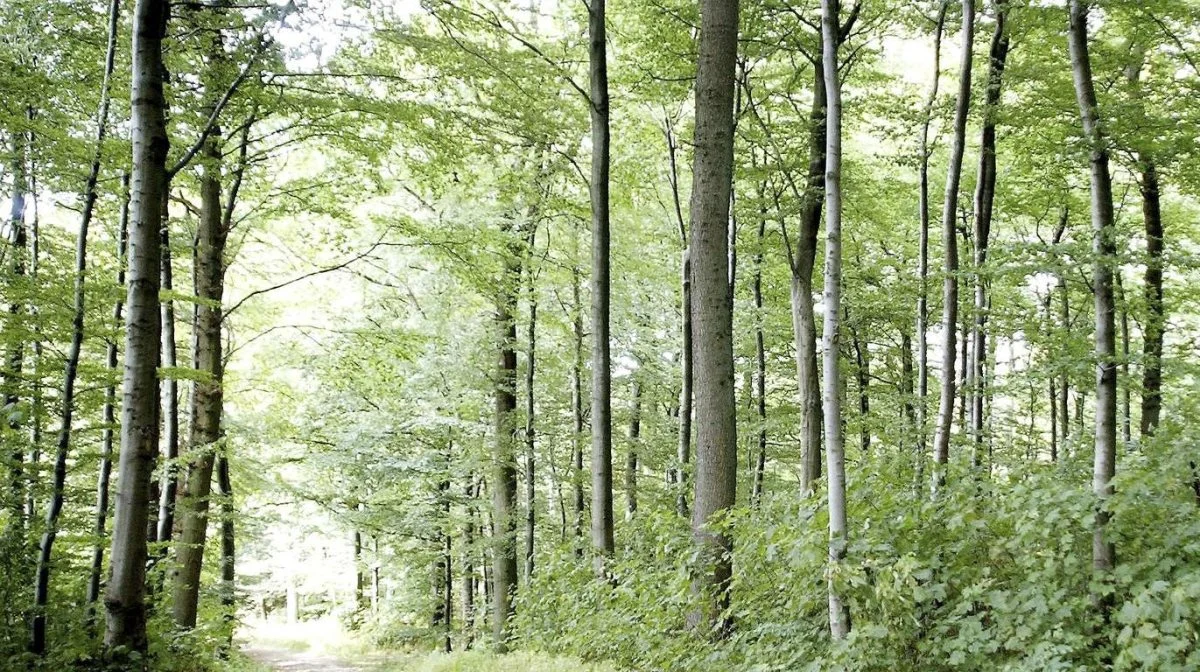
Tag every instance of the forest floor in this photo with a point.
(279, 659)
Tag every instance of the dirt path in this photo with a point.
(283, 660)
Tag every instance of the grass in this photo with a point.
(480, 661)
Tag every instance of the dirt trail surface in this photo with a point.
(283, 660)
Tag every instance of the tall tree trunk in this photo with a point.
(985, 194)
(110, 422)
(760, 363)
(207, 398)
(16, 353)
(839, 611)
(530, 430)
(228, 589)
(804, 323)
(124, 598)
(683, 455)
(468, 565)
(504, 486)
(862, 374)
(443, 567)
(941, 441)
(712, 312)
(577, 404)
(41, 589)
(1104, 251)
(923, 244)
(631, 457)
(1152, 343)
(169, 483)
(1126, 392)
(602, 506)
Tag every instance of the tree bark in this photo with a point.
(577, 403)
(631, 457)
(712, 312)
(602, 506)
(923, 242)
(207, 398)
(228, 590)
(862, 375)
(1104, 251)
(941, 441)
(16, 353)
(1152, 343)
(504, 488)
(42, 584)
(760, 363)
(110, 423)
(839, 611)
(125, 596)
(530, 430)
(468, 565)
(683, 455)
(985, 195)
(169, 484)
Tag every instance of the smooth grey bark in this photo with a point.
(985, 196)
(602, 505)
(683, 454)
(760, 363)
(169, 483)
(207, 397)
(504, 485)
(530, 433)
(15, 357)
(631, 456)
(1104, 251)
(839, 611)
(104, 472)
(941, 440)
(712, 313)
(923, 243)
(125, 596)
(41, 588)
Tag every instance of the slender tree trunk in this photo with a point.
(530, 430)
(923, 243)
(1104, 250)
(228, 589)
(839, 611)
(110, 422)
(941, 441)
(16, 353)
(760, 364)
(504, 487)
(631, 457)
(1152, 342)
(169, 484)
(804, 323)
(683, 456)
(712, 312)
(577, 407)
(602, 506)
(42, 585)
(443, 567)
(862, 373)
(124, 598)
(985, 194)
(1126, 393)
(207, 398)
(468, 565)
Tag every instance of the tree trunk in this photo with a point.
(839, 611)
(169, 483)
(985, 194)
(712, 312)
(687, 353)
(16, 352)
(228, 549)
(631, 457)
(207, 398)
(42, 585)
(468, 565)
(760, 363)
(1126, 392)
(110, 422)
(577, 405)
(862, 373)
(1152, 342)
(602, 506)
(941, 441)
(923, 243)
(530, 431)
(1104, 251)
(124, 598)
(504, 490)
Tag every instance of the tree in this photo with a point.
(839, 614)
(941, 440)
(1104, 251)
(125, 596)
(712, 311)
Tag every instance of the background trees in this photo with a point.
(381, 223)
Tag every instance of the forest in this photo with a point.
(548, 335)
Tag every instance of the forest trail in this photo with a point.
(280, 659)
